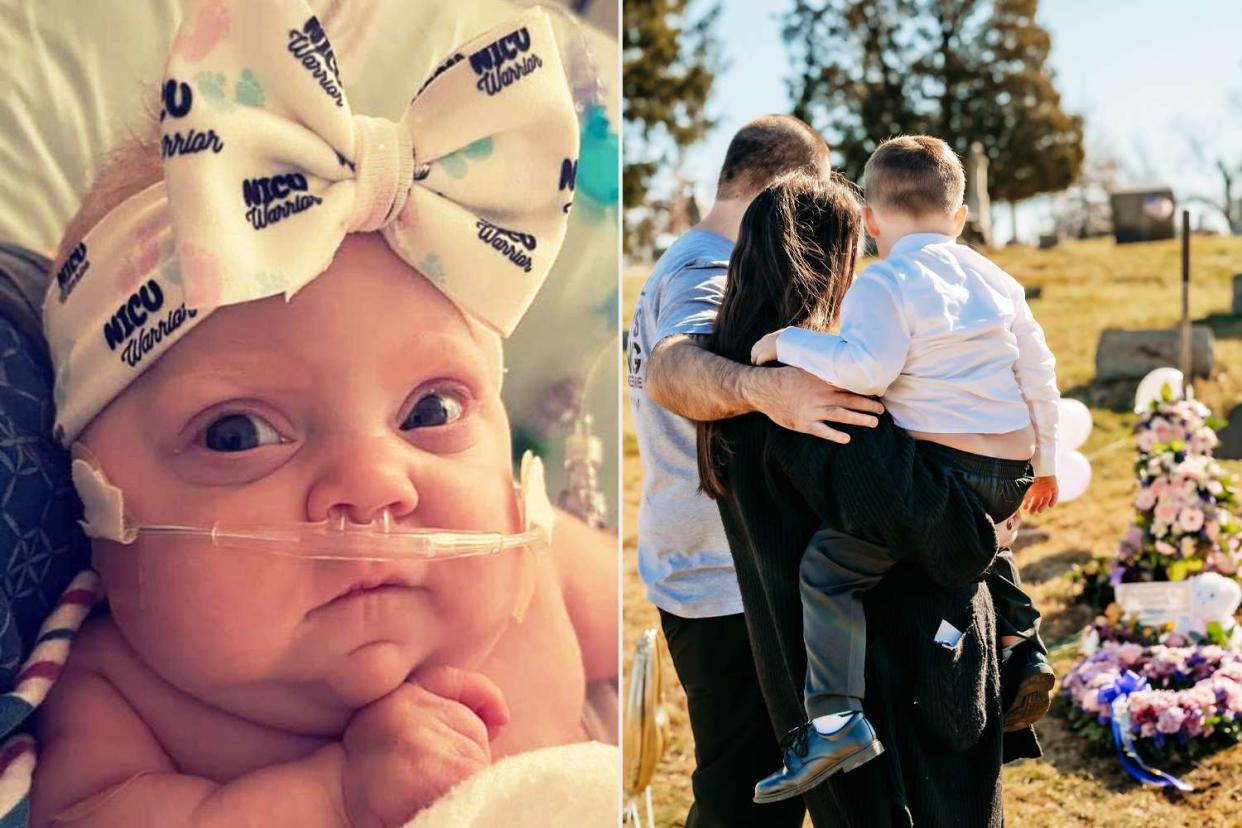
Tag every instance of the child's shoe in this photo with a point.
(1026, 687)
(811, 757)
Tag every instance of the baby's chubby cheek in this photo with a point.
(206, 617)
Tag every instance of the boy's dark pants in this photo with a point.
(837, 568)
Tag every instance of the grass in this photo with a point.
(1087, 286)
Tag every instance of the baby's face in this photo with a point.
(367, 391)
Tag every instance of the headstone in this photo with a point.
(978, 230)
(1230, 436)
(1156, 603)
(1237, 295)
(1047, 241)
(1142, 214)
(1124, 354)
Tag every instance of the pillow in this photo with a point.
(41, 546)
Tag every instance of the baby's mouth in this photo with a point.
(372, 585)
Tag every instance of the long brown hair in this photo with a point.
(793, 261)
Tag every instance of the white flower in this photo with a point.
(1159, 529)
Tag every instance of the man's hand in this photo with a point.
(1042, 495)
(406, 750)
(764, 351)
(793, 399)
(699, 385)
(1007, 532)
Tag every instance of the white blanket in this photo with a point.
(567, 786)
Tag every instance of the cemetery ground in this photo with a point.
(1087, 286)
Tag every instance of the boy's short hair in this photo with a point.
(768, 148)
(916, 175)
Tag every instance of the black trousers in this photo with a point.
(734, 743)
(838, 568)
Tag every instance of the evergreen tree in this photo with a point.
(669, 61)
(963, 70)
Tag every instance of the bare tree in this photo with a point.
(1225, 203)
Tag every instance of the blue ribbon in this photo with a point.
(1116, 695)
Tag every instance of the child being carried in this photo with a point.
(947, 339)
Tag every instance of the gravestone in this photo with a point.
(1124, 354)
(1230, 436)
(978, 230)
(1142, 214)
(1237, 295)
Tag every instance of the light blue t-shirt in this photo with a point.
(683, 555)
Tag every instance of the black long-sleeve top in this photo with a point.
(936, 710)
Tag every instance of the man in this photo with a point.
(684, 559)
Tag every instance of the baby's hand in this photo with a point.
(765, 349)
(1042, 495)
(406, 750)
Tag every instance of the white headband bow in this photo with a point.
(266, 169)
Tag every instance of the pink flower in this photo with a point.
(1170, 721)
(1129, 654)
(1166, 513)
(1191, 519)
(1146, 441)
(1134, 537)
(1145, 500)
(1165, 548)
(1212, 529)
(1221, 562)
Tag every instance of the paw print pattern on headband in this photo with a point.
(207, 26)
(457, 163)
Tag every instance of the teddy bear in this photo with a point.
(1214, 598)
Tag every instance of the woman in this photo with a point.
(936, 707)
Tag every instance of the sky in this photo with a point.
(1145, 74)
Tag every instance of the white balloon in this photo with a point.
(1074, 424)
(1073, 475)
(1149, 388)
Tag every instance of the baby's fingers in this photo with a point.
(470, 689)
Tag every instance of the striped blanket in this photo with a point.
(19, 753)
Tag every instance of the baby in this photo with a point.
(214, 371)
(947, 339)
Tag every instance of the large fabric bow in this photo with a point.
(266, 169)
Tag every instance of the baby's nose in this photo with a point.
(363, 479)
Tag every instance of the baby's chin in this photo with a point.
(369, 673)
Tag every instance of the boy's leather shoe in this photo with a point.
(1026, 688)
(811, 757)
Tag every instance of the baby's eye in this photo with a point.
(239, 432)
(435, 408)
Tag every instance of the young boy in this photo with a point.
(947, 339)
(335, 365)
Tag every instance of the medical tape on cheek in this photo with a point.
(103, 504)
(537, 513)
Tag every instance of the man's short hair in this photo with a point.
(768, 148)
(916, 175)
